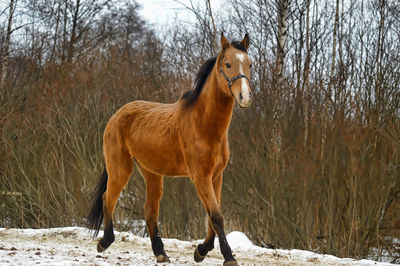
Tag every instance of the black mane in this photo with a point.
(238, 45)
(191, 96)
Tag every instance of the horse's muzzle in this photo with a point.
(244, 99)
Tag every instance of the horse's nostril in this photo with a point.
(240, 96)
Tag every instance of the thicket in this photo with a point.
(315, 162)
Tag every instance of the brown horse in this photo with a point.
(187, 138)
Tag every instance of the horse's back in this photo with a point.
(149, 131)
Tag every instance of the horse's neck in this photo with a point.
(214, 109)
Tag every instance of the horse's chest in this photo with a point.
(206, 155)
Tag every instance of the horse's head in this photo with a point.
(234, 70)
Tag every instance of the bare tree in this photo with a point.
(282, 16)
(379, 92)
(73, 37)
(6, 49)
(307, 74)
(214, 29)
(206, 23)
(69, 27)
(333, 61)
(328, 96)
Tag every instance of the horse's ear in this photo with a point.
(246, 41)
(224, 42)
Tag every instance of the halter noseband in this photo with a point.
(230, 81)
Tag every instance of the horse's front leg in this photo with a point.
(205, 189)
(154, 187)
(208, 244)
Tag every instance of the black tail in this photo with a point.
(95, 216)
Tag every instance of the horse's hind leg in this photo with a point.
(119, 168)
(154, 187)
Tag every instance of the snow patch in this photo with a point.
(238, 240)
(75, 246)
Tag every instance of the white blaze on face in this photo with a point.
(245, 90)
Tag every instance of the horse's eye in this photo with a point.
(228, 65)
(250, 65)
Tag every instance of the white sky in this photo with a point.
(160, 13)
(164, 12)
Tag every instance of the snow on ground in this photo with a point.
(74, 246)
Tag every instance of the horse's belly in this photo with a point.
(160, 156)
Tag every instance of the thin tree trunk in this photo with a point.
(328, 98)
(379, 55)
(283, 11)
(64, 46)
(334, 37)
(6, 51)
(307, 74)
(53, 49)
(214, 29)
(73, 32)
(340, 81)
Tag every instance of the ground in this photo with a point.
(74, 246)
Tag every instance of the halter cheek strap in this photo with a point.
(230, 81)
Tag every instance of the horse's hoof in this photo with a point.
(162, 258)
(197, 256)
(231, 263)
(100, 247)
